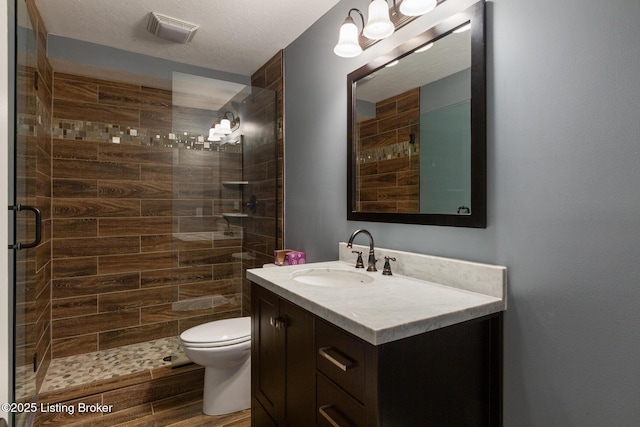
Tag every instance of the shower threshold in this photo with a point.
(80, 369)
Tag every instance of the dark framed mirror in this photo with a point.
(417, 129)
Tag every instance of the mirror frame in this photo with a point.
(478, 217)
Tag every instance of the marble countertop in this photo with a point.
(387, 309)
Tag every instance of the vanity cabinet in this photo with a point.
(310, 372)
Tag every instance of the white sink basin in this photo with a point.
(331, 277)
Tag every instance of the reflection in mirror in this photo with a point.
(414, 131)
(417, 151)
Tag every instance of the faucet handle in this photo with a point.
(386, 271)
(359, 262)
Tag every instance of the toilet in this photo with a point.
(223, 347)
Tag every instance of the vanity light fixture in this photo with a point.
(382, 22)
(223, 126)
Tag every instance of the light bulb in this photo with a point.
(212, 135)
(348, 45)
(417, 7)
(379, 24)
(225, 126)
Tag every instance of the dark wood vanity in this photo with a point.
(309, 372)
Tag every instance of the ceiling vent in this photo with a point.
(171, 29)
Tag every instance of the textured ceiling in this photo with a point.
(234, 36)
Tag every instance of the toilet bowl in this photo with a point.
(223, 347)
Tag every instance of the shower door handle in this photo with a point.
(38, 218)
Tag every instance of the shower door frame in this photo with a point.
(7, 81)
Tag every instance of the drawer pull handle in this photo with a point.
(278, 322)
(333, 358)
(330, 419)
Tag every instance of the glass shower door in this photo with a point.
(30, 203)
(224, 195)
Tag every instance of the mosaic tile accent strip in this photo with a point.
(388, 152)
(79, 130)
(27, 123)
(100, 365)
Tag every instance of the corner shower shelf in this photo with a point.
(243, 255)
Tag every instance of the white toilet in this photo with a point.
(223, 347)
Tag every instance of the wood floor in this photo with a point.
(185, 415)
(190, 416)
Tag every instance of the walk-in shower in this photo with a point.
(147, 220)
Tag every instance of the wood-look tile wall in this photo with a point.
(389, 171)
(33, 187)
(140, 248)
(263, 162)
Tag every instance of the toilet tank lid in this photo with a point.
(219, 331)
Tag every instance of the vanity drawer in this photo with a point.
(336, 408)
(341, 357)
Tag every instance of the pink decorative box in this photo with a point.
(295, 257)
(289, 257)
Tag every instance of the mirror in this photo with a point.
(417, 129)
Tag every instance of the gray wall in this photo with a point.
(563, 185)
(78, 52)
(445, 144)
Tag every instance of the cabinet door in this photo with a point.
(283, 362)
(300, 366)
(259, 417)
(267, 353)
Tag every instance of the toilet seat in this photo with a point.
(219, 333)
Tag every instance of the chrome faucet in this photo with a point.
(371, 263)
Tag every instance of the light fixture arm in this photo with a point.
(361, 16)
(395, 8)
(223, 126)
(234, 120)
